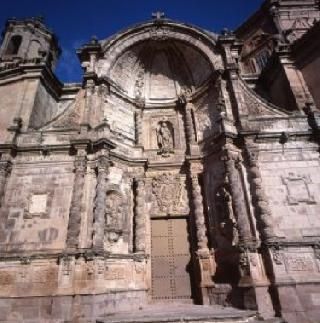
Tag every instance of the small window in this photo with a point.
(14, 45)
(262, 59)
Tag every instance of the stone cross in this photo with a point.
(158, 15)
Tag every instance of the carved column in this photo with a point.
(139, 213)
(205, 261)
(138, 121)
(189, 125)
(5, 168)
(232, 160)
(100, 203)
(74, 225)
(259, 198)
(253, 278)
(202, 239)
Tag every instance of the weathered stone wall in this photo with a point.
(34, 214)
(290, 175)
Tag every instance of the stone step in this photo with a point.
(178, 313)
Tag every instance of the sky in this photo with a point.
(76, 21)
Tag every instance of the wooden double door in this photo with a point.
(171, 261)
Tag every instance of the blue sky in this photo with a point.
(75, 21)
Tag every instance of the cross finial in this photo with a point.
(158, 15)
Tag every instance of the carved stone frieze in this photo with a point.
(169, 195)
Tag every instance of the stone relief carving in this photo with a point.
(225, 214)
(169, 195)
(165, 138)
(114, 215)
(159, 33)
(296, 262)
(297, 189)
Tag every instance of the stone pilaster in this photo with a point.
(259, 198)
(232, 162)
(100, 203)
(139, 216)
(5, 169)
(74, 225)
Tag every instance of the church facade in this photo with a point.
(184, 168)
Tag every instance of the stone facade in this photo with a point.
(184, 168)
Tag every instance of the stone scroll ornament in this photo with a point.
(260, 200)
(5, 169)
(100, 203)
(165, 138)
(80, 166)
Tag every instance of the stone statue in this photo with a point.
(227, 220)
(164, 138)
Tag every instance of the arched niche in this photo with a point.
(14, 45)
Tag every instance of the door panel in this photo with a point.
(170, 259)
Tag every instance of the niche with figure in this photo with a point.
(165, 138)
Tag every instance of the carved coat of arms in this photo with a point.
(169, 195)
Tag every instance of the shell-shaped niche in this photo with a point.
(158, 72)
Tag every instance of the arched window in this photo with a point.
(14, 45)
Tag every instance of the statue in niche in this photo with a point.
(227, 222)
(165, 138)
(114, 215)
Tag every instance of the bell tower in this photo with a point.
(29, 40)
